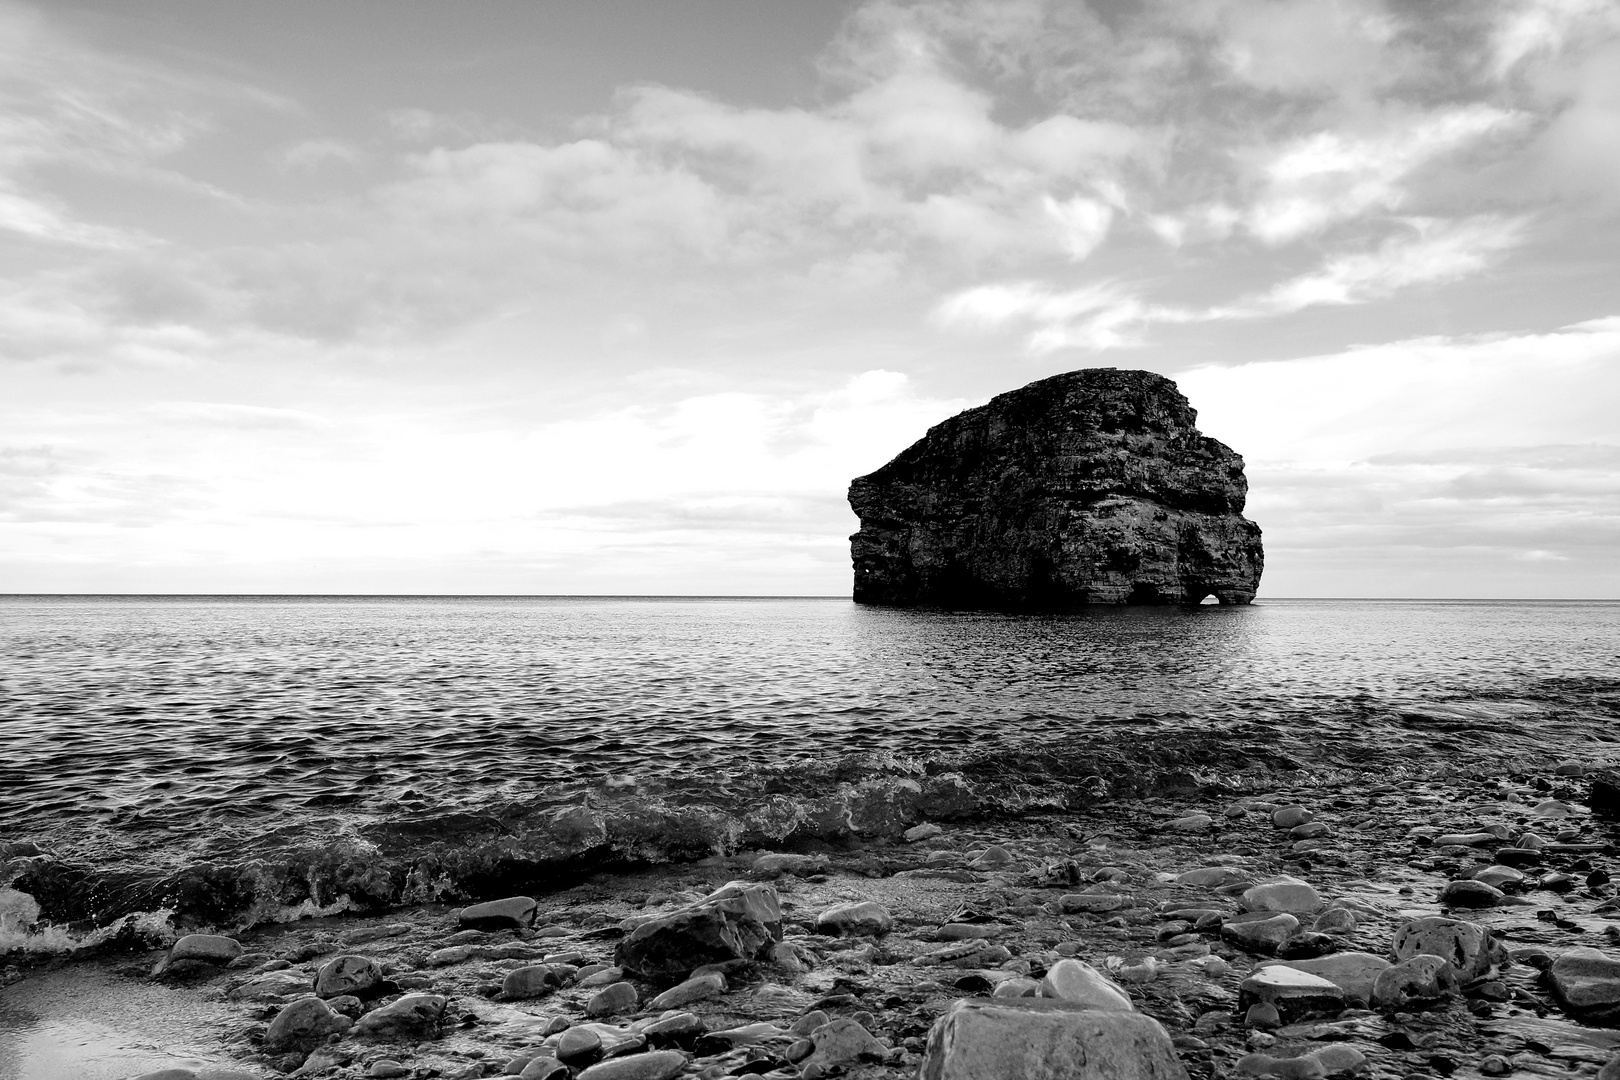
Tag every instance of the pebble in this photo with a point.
(697, 988)
(386, 1069)
(652, 1065)
(1470, 894)
(1259, 932)
(1297, 995)
(347, 975)
(579, 1046)
(600, 975)
(1079, 982)
(617, 998)
(1094, 903)
(1290, 895)
(855, 918)
(1413, 982)
(1287, 817)
(1191, 823)
(1213, 877)
(926, 831)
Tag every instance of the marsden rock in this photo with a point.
(1091, 487)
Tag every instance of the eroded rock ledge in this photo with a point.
(1091, 487)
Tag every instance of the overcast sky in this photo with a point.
(617, 296)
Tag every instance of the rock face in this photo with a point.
(1092, 487)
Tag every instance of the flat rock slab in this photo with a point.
(1296, 995)
(1031, 1039)
(1586, 979)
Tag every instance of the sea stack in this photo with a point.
(1091, 487)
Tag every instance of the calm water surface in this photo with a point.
(148, 734)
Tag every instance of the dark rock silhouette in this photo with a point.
(1092, 487)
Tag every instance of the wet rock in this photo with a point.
(842, 1041)
(1259, 931)
(1035, 1039)
(272, 986)
(739, 921)
(777, 864)
(617, 998)
(1308, 831)
(652, 1065)
(994, 857)
(1093, 903)
(1077, 981)
(1469, 894)
(387, 1069)
(1414, 982)
(1296, 995)
(1089, 487)
(1518, 856)
(1191, 823)
(1586, 981)
(1475, 839)
(1352, 972)
(543, 1068)
(680, 1029)
(1331, 1060)
(514, 911)
(207, 948)
(1603, 794)
(1295, 897)
(412, 1015)
(530, 981)
(1213, 877)
(856, 917)
(579, 1046)
(1289, 817)
(347, 975)
(1335, 921)
(303, 1025)
(1306, 944)
(1017, 987)
(697, 988)
(926, 831)
(589, 978)
(1499, 877)
(1466, 946)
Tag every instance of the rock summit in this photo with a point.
(1091, 487)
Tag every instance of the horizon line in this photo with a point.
(734, 596)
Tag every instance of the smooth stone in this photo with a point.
(1466, 946)
(738, 921)
(840, 1041)
(1296, 994)
(1335, 921)
(417, 1015)
(209, 948)
(347, 975)
(1079, 982)
(1415, 981)
(1470, 894)
(1304, 1067)
(697, 988)
(302, 1025)
(453, 954)
(1035, 1039)
(1295, 897)
(1213, 877)
(1308, 831)
(1263, 1015)
(1473, 839)
(1518, 856)
(1531, 842)
(855, 918)
(926, 831)
(1500, 877)
(1306, 945)
(512, 912)
(530, 981)
(579, 1045)
(387, 1069)
(601, 975)
(617, 998)
(1093, 903)
(1352, 972)
(1339, 1058)
(1287, 817)
(964, 931)
(651, 1065)
(1261, 934)
(1585, 979)
(543, 1068)
(781, 863)
(994, 857)
(681, 1027)
(1191, 823)
(1019, 987)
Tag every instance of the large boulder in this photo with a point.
(1090, 487)
(738, 921)
(1039, 1039)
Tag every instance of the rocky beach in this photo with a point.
(1308, 923)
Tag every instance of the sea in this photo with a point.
(238, 759)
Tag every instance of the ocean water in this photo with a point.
(238, 758)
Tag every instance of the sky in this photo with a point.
(617, 297)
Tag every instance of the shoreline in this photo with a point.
(963, 926)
